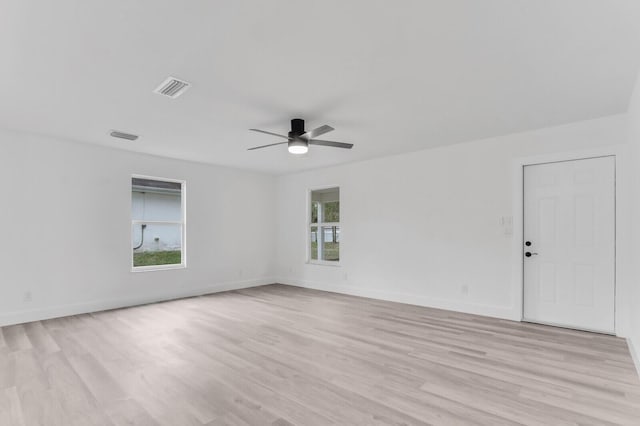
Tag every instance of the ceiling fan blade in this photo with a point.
(316, 132)
(270, 133)
(331, 143)
(265, 146)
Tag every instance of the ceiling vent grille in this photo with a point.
(172, 87)
(123, 135)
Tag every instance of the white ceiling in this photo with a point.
(390, 76)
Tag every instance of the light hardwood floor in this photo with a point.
(279, 355)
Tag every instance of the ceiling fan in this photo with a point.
(298, 139)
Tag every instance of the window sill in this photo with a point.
(323, 263)
(157, 268)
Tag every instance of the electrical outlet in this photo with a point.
(345, 276)
(27, 296)
(464, 290)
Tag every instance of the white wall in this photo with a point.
(66, 230)
(634, 142)
(445, 246)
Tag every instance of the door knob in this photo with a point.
(528, 243)
(529, 254)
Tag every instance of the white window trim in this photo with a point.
(183, 207)
(320, 225)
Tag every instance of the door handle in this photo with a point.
(529, 254)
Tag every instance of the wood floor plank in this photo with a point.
(10, 409)
(3, 343)
(16, 338)
(281, 356)
(95, 377)
(129, 412)
(40, 338)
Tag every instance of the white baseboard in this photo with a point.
(19, 317)
(635, 355)
(411, 299)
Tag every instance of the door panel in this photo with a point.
(569, 218)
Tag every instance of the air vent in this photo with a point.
(123, 135)
(172, 87)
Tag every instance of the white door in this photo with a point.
(569, 244)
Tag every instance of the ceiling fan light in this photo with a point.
(298, 147)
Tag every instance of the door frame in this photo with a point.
(621, 216)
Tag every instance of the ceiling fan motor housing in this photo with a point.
(297, 128)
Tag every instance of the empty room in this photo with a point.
(281, 212)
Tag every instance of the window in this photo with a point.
(324, 226)
(157, 223)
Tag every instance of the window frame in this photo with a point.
(183, 222)
(319, 225)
